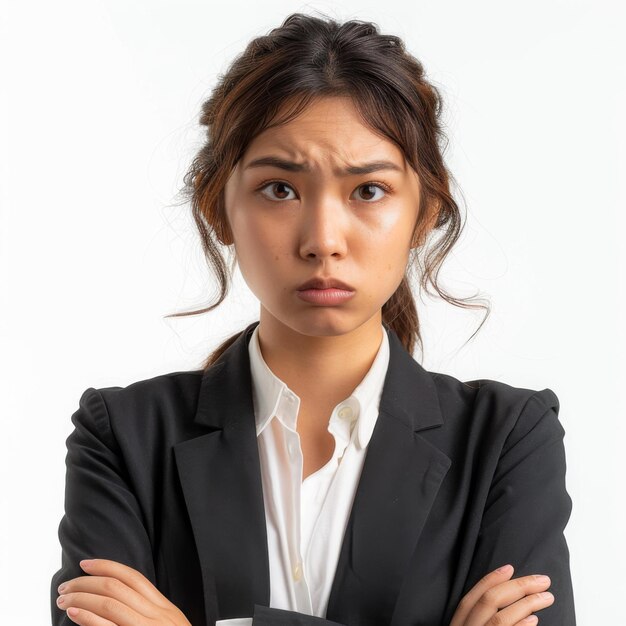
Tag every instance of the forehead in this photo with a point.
(328, 128)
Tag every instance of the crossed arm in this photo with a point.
(114, 594)
(528, 498)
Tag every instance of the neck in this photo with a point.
(321, 370)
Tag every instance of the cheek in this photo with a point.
(389, 241)
(386, 255)
(260, 248)
(390, 265)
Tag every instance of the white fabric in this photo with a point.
(306, 520)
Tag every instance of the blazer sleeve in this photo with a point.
(102, 517)
(528, 507)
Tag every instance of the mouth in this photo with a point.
(320, 283)
(325, 297)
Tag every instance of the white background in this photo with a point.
(99, 122)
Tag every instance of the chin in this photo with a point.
(327, 322)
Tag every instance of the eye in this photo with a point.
(276, 185)
(279, 186)
(372, 186)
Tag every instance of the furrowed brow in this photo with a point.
(351, 170)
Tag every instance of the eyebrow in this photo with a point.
(351, 170)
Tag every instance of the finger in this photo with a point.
(522, 608)
(129, 576)
(86, 618)
(504, 594)
(102, 587)
(531, 620)
(105, 608)
(471, 597)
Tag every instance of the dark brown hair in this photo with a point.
(309, 57)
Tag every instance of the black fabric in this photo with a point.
(264, 616)
(459, 478)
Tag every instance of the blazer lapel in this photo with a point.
(221, 481)
(401, 476)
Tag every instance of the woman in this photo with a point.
(312, 472)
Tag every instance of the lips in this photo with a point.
(325, 283)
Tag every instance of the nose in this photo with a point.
(323, 230)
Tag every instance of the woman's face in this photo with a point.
(309, 217)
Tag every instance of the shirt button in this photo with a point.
(297, 572)
(345, 412)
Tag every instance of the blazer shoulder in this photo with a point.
(493, 406)
(493, 392)
(164, 404)
(489, 417)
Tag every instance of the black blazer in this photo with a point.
(459, 478)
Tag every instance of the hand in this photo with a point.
(117, 595)
(517, 598)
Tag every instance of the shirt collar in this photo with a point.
(272, 397)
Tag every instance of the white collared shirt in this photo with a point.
(306, 520)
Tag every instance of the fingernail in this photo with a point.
(86, 562)
(504, 568)
(530, 619)
(542, 579)
(62, 588)
(546, 595)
